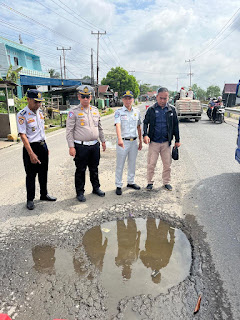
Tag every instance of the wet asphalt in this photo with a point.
(46, 272)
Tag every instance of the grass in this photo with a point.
(52, 129)
(107, 112)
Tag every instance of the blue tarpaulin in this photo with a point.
(39, 81)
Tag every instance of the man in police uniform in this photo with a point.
(30, 123)
(128, 128)
(83, 130)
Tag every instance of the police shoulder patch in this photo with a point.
(70, 114)
(21, 120)
(117, 114)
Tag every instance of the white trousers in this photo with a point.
(129, 151)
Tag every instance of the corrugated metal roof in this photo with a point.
(230, 88)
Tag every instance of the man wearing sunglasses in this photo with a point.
(82, 133)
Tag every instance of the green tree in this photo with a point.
(86, 78)
(54, 74)
(13, 75)
(213, 91)
(200, 94)
(120, 80)
(144, 88)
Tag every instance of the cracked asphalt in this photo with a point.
(27, 293)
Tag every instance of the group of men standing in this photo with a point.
(83, 132)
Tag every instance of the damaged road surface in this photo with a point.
(139, 267)
(142, 255)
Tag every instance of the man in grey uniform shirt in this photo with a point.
(128, 128)
(82, 133)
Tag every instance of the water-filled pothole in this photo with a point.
(132, 256)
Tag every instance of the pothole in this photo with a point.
(133, 257)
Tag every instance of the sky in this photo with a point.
(151, 39)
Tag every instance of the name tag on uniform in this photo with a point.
(80, 114)
(124, 117)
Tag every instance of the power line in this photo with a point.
(41, 24)
(61, 15)
(73, 12)
(224, 28)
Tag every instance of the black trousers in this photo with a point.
(86, 156)
(33, 169)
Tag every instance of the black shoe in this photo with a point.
(134, 186)
(168, 187)
(149, 186)
(30, 205)
(81, 198)
(119, 191)
(99, 192)
(47, 197)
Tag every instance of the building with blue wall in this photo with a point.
(31, 75)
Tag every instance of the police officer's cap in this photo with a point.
(86, 90)
(35, 94)
(128, 93)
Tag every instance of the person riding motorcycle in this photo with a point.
(210, 108)
(217, 104)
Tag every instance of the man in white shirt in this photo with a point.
(30, 123)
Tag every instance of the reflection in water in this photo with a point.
(92, 242)
(158, 249)
(128, 246)
(44, 259)
(78, 263)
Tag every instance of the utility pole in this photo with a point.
(177, 84)
(98, 36)
(92, 71)
(61, 66)
(190, 73)
(64, 64)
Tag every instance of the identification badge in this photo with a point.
(124, 117)
(30, 120)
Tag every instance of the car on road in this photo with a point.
(237, 154)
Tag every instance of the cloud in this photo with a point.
(152, 38)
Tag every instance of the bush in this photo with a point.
(20, 103)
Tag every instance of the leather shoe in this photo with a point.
(30, 205)
(47, 197)
(133, 186)
(99, 192)
(149, 186)
(81, 198)
(168, 187)
(118, 191)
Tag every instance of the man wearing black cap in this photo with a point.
(82, 133)
(30, 123)
(128, 128)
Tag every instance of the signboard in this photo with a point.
(11, 102)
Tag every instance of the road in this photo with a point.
(206, 194)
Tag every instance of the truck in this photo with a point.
(189, 109)
(237, 153)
